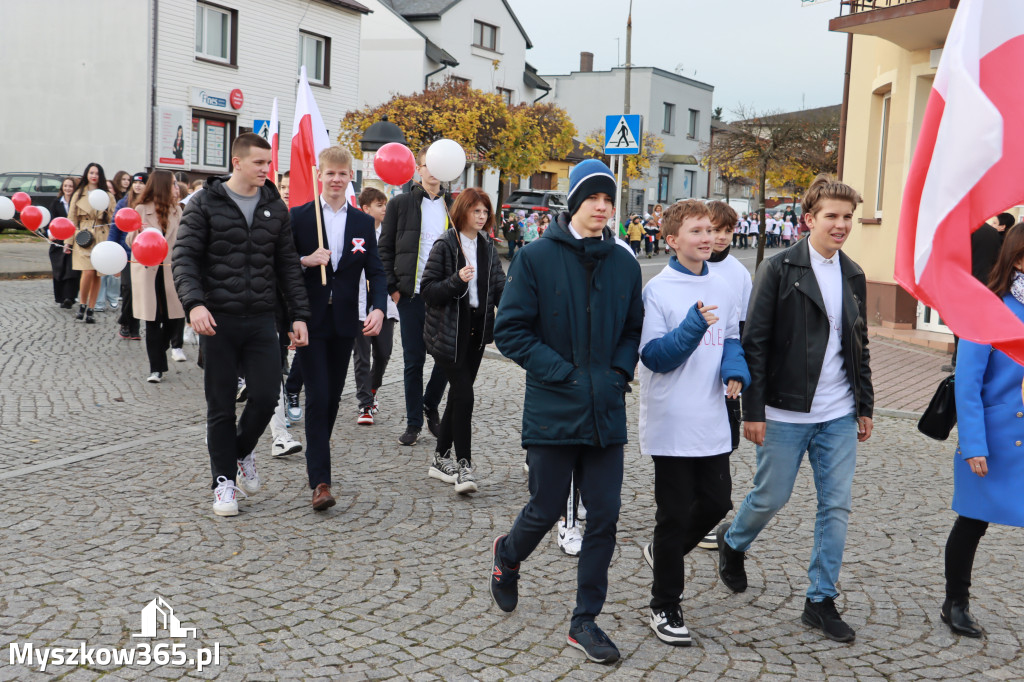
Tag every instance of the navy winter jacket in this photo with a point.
(571, 316)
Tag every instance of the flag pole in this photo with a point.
(319, 224)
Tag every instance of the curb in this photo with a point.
(35, 274)
(899, 414)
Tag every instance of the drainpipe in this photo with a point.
(426, 79)
(844, 112)
(152, 88)
(546, 92)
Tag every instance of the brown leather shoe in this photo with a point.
(322, 498)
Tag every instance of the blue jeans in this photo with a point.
(831, 448)
(110, 289)
(412, 314)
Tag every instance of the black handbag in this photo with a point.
(84, 238)
(940, 416)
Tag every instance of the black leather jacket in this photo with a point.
(787, 330)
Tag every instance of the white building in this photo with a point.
(675, 108)
(113, 80)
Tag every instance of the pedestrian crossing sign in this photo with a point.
(622, 133)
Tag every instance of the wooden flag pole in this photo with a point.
(319, 225)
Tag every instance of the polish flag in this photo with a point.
(309, 138)
(274, 143)
(966, 169)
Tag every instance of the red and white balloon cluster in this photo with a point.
(32, 217)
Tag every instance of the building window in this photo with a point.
(506, 95)
(485, 36)
(211, 140)
(691, 128)
(884, 138)
(670, 118)
(315, 55)
(216, 33)
(664, 183)
(689, 180)
(719, 186)
(459, 79)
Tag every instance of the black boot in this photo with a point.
(956, 613)
(88, 316)
(81, 313)
(67, 303)
(730, 563)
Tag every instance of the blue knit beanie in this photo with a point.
(589, 178)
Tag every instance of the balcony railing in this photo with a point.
(847, 7)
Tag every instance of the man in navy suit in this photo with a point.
(349, 250)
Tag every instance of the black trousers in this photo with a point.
(732, 406)
(293, 384)
(324, 366)
(692, 495)
(126, 318)
(961, 547)
(65, 279)
(412, 314)
(599, 477)
(457, 422)
(370, 356)
(249, 343)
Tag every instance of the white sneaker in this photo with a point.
(154, 377)
(570, 539)
(581, 511)
(247, 476)
(224, 499)
(190, 336)
(178, 355)
(285, 445)
(668, 626)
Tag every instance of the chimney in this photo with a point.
(586, 62)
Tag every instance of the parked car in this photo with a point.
(42, 187)
(536, 200)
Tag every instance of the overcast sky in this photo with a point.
(765, 54)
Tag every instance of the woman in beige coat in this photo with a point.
(97, 223)
(153, 297)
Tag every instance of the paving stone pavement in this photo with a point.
(105, 505)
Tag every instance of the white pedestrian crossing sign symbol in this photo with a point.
(622, 134)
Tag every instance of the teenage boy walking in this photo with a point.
(688, 354)
(571, 316)
(234, 250)
(412, 223)
(806, 345)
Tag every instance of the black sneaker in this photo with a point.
(592, 641)
(649, 554)
(433, 420)
(89, 319)
(411, 435)
(503, 587)
(67, 303)
(669, 627)
(824, 616)
(124, 332)
(730, 563)
(81, 313)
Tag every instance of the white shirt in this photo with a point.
(392, 308)
(787, 231)
(833, 397)
(334, 225)
(682, 412)
(469, 250)
(433, 220)
(738, 277)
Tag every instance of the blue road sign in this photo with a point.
(622, 134)
(262, 128)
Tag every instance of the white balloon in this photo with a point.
(446, 159)
(108, 258)
(46, 216)
(6, 208)
(99, 200)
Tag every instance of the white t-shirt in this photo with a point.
(469, 248)
(737, 275)
(433, 220)
(682, 412)
(787, 230)
(833, 397)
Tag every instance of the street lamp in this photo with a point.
(376, 136)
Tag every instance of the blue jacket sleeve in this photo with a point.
(734, 364)
(672, 350)
(971, 363)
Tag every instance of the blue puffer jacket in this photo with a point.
(571, 316)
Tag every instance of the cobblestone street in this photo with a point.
(105, 505)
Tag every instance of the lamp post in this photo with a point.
(376, 136)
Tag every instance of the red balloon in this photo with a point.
(61, 229)
(31, 217)
(149, 247)
(394, 163)
(127, 219)
(20, 201)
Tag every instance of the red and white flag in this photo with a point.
(966, 169)
(309, 138)
(274, 143)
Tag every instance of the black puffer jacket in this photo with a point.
(221, 263)
(399, 243)
(442, 289)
